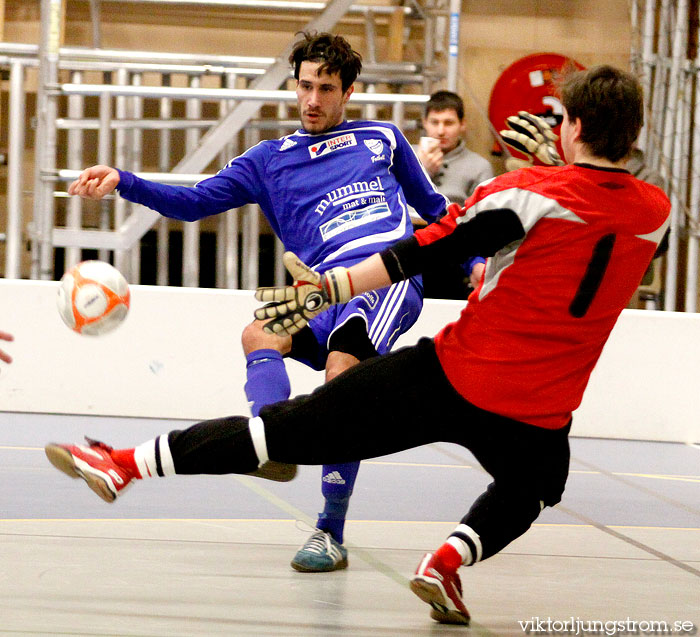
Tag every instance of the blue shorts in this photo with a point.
(387, 313)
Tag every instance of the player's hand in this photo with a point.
(95, 182)
(5, 357)
(291, 307)
(532, 135)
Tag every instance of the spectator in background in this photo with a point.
(456, 171)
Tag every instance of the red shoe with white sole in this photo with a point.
(441, 589)
(93, 463)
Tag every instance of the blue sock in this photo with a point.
(267, 381)
(337, 485)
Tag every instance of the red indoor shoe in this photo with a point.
(93, 463)
(442, 589)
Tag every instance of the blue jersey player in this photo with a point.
(334, 192)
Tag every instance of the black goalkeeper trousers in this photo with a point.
(384, 405)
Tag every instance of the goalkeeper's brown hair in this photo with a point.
(609, 102)
(333, 52)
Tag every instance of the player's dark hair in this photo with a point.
(332, 51)
(442, 100)
(609, 102)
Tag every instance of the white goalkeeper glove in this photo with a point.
(291, 307)
(532, 135)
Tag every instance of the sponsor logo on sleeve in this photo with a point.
(332, 144)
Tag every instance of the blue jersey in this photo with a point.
(332, 198)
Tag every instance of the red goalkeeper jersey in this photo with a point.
(525, 345)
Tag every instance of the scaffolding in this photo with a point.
(238, 93)
(665, 57)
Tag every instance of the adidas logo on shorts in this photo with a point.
(333, 478)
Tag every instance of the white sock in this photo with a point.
(153, 458)
(467, 543)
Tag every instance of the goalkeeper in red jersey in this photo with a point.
(502, 380)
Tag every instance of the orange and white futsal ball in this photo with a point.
(93, 298)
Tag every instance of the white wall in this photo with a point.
(178, 355)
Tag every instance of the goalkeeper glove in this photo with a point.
(291, 307)
(532, 135)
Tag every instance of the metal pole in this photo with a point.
(428, 48)
(647, 44)
(280, 272)
(370, 38)
(694, 213)
(660, 96)
(95, 17)
(280, 5)
(370, 110)
(136, 112)
(635, 31)
(122, 157)
(251, 232)
(45, 164)
(453, 47)
(679, 43)
(163, 226)
(397, 114)
(15, 152)
(75, 161)
(251, 247)
(691, 279)
(227, 252)
(191, 230)
(231, 269)
(104, 156)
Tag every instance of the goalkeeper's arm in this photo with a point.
(483, 235)
(290, 308)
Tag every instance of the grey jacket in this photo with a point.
(461, 172)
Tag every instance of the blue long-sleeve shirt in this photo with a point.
(332, 198)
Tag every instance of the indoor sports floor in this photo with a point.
(190, 556)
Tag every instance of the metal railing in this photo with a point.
(115, 135)
(671, 135)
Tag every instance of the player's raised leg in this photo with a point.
(93, 463)
(225, 445)
(267, 383)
